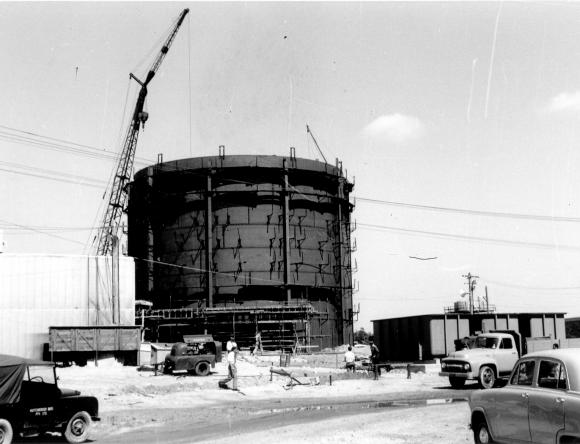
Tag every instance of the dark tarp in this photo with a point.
(12, 371)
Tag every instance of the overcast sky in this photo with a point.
(457, 121)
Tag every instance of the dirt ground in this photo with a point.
(141, 404)
(430, 424)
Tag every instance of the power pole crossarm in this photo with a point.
(118, 194)
(471, 286)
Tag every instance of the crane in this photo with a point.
(315, 142)
(118, 194)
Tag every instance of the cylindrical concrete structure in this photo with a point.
(240, 231)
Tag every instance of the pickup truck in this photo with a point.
(491, 357)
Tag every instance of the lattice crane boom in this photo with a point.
(118, 195)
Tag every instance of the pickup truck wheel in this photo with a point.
(77, 428)
(481, 433)
(6, 432)
(202, 368)
(486, 377)
(456, 382)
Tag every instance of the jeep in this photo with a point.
(31, 402)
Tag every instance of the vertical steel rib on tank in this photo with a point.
(244, 230)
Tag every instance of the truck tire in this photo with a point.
(6, 432)
(486, 377)
(77, 428)
(456, 382)
(481, 433)
(202, 368)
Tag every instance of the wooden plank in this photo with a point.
(61, 340)
(129, 339)
(91, 339)
(85, 340)
(107, 339)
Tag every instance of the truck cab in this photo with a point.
(491, 357)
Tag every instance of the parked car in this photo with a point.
(540, 403)
(32, 403)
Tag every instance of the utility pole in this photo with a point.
(486, 300)
(116, 300)
(471, 286)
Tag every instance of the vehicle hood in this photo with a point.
(466, 355)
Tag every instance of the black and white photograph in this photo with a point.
(290, 222)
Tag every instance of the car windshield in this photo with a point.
(41, 373)
(486, 342)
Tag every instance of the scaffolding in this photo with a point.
(253, 244)
(285, 327)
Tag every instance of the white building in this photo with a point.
(39, 291)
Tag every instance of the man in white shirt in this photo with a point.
(232, 370)
(349, 358)
(230, 344)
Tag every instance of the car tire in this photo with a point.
(202, 368)
(487, 377)
(481, 433)
(456, 383)
(6, 433)
(77, 428)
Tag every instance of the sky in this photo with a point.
(457, 123)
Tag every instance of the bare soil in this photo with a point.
(144, 407)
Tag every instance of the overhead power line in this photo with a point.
(43, 173)
(55, 144)
(530, 287)
(435, 234)
(406, 231)
(203, 270)
(471, 212)
(41, 232)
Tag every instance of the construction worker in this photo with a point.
(231, 344)
(375, 359)
(258, 347)
(349, 358)
(232, 369)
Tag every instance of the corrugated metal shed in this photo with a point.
(433, 335)
(39, 291)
